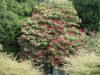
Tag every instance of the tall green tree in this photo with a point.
(89, 12)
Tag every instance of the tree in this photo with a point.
(89, 12)
(50, 34)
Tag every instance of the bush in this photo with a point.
(83, 64)
(12, 14)
(21, 8)
(89, 12)
(94, 43)
(15, 7)
(50, 34)
(27, 9)
(27, 6)
(1, 47)
(9, 25)
(9, 66)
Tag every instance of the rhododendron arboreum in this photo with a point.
(49, 35)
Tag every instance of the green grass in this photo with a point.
(94, 43)
(9, 66)
(83, 64)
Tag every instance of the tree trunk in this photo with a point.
(61, 72)
(55, 71)
(48, 69)
(41, 0)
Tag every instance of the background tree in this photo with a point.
(89, 12)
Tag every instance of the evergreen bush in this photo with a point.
(9, 24)
(12, 13)
(89, 12)
(22, 8)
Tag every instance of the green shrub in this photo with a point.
(1, 47)
(3, 5)
(27, 6)
(89, 12)
(30, 2)
(15, 7)
(12, 14)
(11, 49)
(50, 34)
(27, 9)
(21, 8)
(94, 43)
(9, 25)
(9, 66)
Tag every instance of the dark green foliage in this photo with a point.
(27, 6)
(11, 49)
(15, 7)
(12, 14)
(21, 8)
(1, 47)
(9, 24)
(26, 9)
(89, 12)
